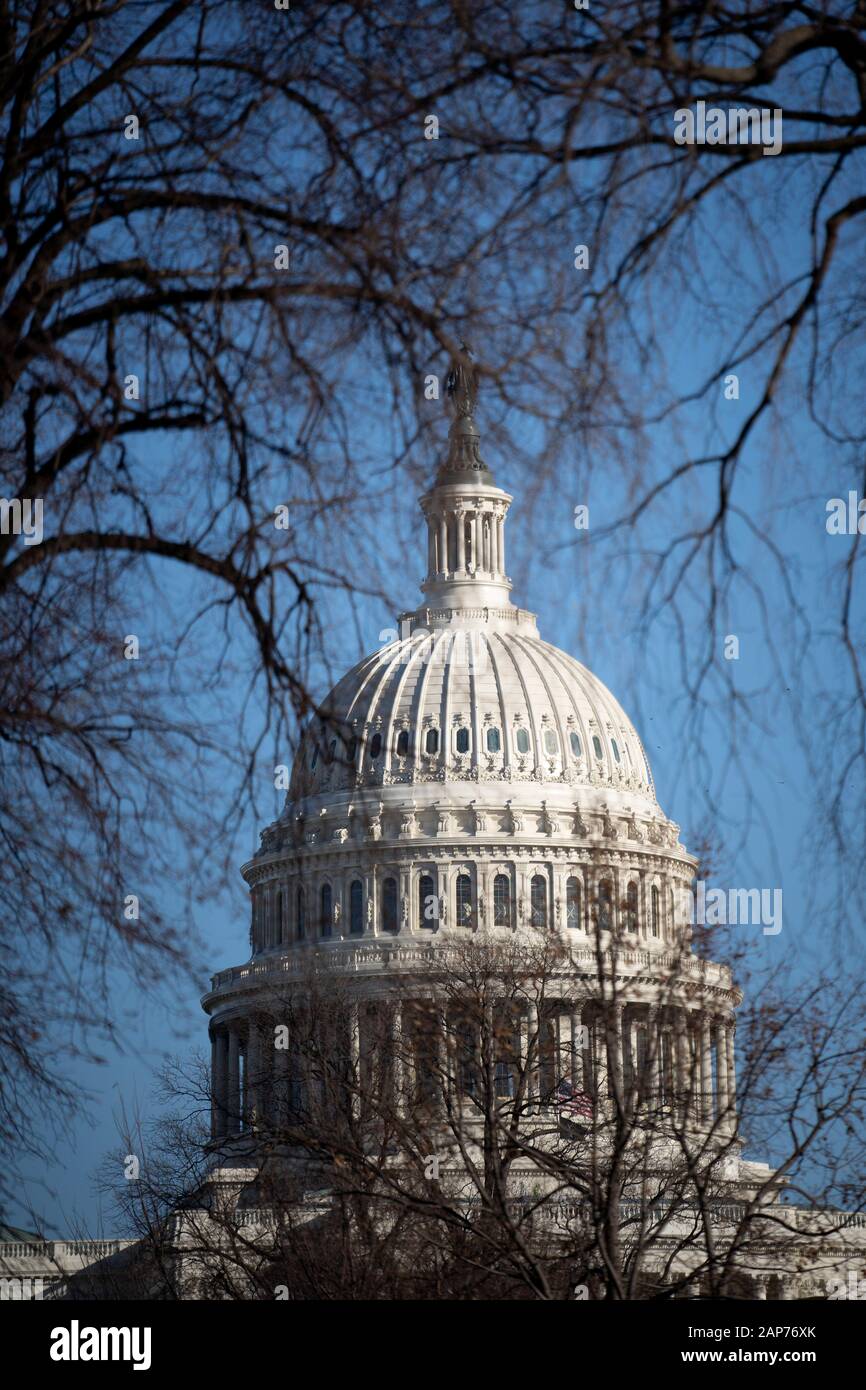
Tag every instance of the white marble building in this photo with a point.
(471, 782)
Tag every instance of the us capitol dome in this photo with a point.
(471, 782)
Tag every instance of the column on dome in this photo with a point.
(643, 925)
(355, 1058)
(719, 1031)
(282, 1080)
(398, 1070)
(233, 1089)
(630, 1032)
(681, 1062)
(219, 1082)
(730, 1029)
(252, 1074)
(431, 546)
(706, 1069)
(500, 542)
(529, 1051)
(564, 1048)
(461, 539)
(613, 1037)
(653, 1055)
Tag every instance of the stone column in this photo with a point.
(653, 1056)
(477, 558)
(431, 547)
(252, 1074)
(706, 1069)
(500, 543)
(730, 1029)
(564, 1046)
(681, 1065)
(219, 1083)
(460, 522)
(233, 1097)
(398, 1080)
(282, 1083)
(442, 557)
(532, 1058)
(575, 1030)
(355, 1058)
(722, 1073)
(613, 1030)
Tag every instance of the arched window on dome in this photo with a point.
(356, 908)
(574, 740)
(461, 742)
(403, 743)
(538, 900)
(573, 917)
(375, 746)
(464, 902)
(605, 905)
(521, 739)
(655, 910)
(493, 741)
(389, 905)
(615, 747)
(502, 901)
(326, 903)
(631, 908)
(428, 903)
(431, 741)
(300, 918)
(551, 743)
(596, 743)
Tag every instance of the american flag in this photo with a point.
(573, 1101)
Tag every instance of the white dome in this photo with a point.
(481, 699)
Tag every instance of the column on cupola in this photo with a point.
(442, 557)
(500, 543)
(461, 540)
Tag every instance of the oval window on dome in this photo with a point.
(431, 742)
(574, 740)
(351, 749)
(522, 741)
(493, 740)
(462, 741)
(403, 743)
(332, 750)
(596, 743)
(375, 746)
(613, 745)
(315, 757)
(551, 744)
